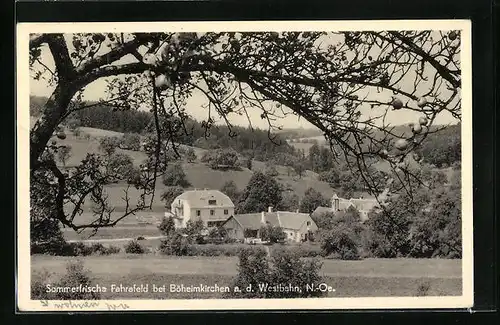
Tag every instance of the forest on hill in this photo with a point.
(441, 149)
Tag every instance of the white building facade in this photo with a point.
(211, 206)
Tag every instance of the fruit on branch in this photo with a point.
(401, 144)
(422, 102)
(452, 35)
(416, 129)
(162, 82)
(61, 135)
(423, 120)
(397, 103)
(150, 59)
(384, 153)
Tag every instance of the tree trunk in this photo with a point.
(53, 113)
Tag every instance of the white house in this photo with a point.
(364, 206)
(211, 206)
(296, 226)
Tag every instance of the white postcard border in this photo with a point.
(23, 126)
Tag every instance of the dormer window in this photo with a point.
(212, 202)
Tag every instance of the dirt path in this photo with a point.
(112, 240)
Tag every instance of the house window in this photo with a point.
(212, 202)
(198, 213)
(308, 223)
(226, 212)
(212, 212)
(210, 224)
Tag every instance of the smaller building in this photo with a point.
(211, 206)
(295, 225)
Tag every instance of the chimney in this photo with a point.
(270, 209)
(263, 217)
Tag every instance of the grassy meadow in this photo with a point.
(365, 278)
(198, 174)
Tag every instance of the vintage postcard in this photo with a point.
(244, 165)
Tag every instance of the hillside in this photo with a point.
(198, 174)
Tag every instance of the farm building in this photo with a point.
(364, 206)
(295, 225)
(211, 206)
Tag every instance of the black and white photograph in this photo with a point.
(244, 165)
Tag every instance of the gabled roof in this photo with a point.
(200, 198)
(345, 204)
(292, 220)
(249, 220)
(283, 219)
(364, 204)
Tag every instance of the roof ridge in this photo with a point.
(278, 216)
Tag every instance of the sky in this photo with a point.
(96, 91)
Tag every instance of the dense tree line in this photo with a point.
(249, 142)
(443, 148)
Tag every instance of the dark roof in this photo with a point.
(249, 220)
(284, 219)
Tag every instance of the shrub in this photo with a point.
(340, 243)
(176, 244)
(175, 176)
(75, 276)
(133, 247)
(80, 249)
(272, 234)
(284, 268)
(220, 250)
(131, 141)
(167, 226)
(141, 238)
(108, 145)
(300, 250)
(39, 281)
(113, 249)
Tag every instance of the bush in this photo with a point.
(284, 268)
(220, 250)
(340, 243)
(100, 249)
(167, 226)
(176, 244)
(133, 247)
(39, 281)
(75, 276)
(80, 249)
(131, 141)
(300, 250)
(272, 234)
